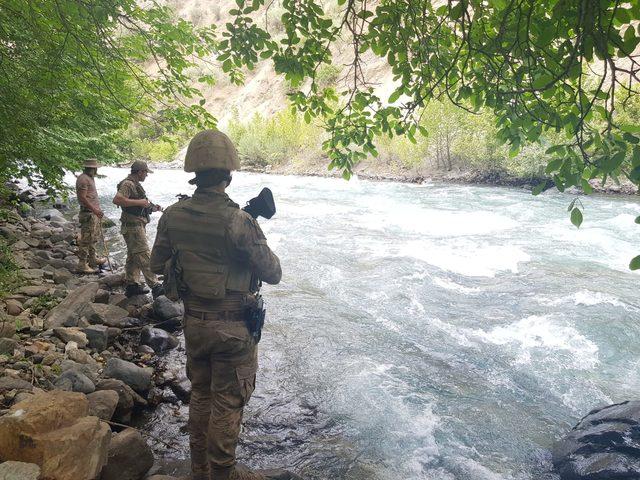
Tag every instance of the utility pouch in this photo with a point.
(254, 315)
(172, 283)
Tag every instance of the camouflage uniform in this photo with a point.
(133, 229)
(221, 251)
(89, 222)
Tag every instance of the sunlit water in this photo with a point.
(427, 331)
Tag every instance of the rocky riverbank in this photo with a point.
(387, 173)
(78, 360)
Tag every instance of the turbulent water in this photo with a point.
(428, 331)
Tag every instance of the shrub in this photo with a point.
(10, 278)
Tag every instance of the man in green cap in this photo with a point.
(221, 255)
(90, 217)
(136, 210)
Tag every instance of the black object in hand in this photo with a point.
(261, 206)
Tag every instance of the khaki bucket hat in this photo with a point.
(91, 163)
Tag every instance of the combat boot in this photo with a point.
(83, 267)
(135, 289)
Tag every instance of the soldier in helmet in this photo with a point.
(90, 217)
(136, 208)
(221, 252)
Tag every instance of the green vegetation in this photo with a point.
(44, 302)
(9, 271)
(271, 141)
(74, 75)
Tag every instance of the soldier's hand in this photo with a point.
(145, 203)
(99, 214)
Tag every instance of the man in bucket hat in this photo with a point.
(90, 217)
(136, 210)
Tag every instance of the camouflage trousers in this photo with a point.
(222, 360)
(89, 234)
(135, 236)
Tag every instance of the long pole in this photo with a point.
(104, 246)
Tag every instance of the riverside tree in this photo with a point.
(566, 66)
(73, 74)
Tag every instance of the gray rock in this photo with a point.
(103, 403)
(102, 296)
(81, 356)
(34, 290)
(98, 336)
(182, 388)
(61, 275)
(14, 307)
(104, 314)
(158, 339)
(19, 471)
(136, 377)
(112, 280)
(7, 346)
(129, 457)
(7, 326)
(54, 215)
(145, 349)
(69, 311)
(126, 398)
(32, 273)
(117, 298)
(19, 245)
(605, 445)
(10, 383)
(74, 381)
(71, 334)
(88, 370)
(165, 309)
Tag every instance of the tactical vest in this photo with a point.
(198, 230)
(139, 194)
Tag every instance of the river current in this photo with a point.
(426, 331)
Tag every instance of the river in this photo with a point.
(427, 331)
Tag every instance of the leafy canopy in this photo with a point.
(73, 74)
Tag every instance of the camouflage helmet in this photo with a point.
(211, 149)
(90, 163)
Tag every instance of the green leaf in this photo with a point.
(637, 220)
(396, 95)
(554, 165)
(576, 217)
(635, 263)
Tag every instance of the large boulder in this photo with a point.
(604, 445)
(104, 314)
(129, 457)
(51, 430)
(158, 339)
(136, 377)
(69, 311)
